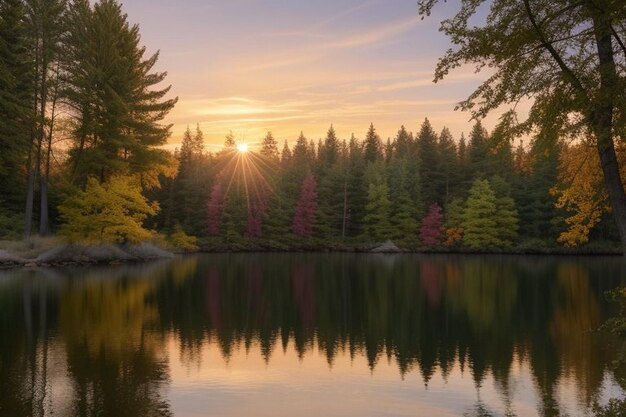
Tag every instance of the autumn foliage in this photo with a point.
(306, 209)
(431, 230)
(111, 212)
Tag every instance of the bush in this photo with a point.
(181, 240)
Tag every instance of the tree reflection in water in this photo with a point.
(93, 342)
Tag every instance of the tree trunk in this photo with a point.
(30, 193)
(602, 121)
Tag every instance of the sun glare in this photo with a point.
(242, 147)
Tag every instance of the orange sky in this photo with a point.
(256, 65)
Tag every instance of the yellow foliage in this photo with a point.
(584, 194)
(112, 212)
(168, 167)
(181, 240)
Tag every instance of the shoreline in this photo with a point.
(106, 254)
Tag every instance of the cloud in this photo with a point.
(375, 36)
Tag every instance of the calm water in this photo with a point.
(312, 335)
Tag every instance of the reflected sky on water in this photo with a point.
(297, 334)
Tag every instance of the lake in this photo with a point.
(310, 335)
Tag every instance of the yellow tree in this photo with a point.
(111, 212)
(581, 192)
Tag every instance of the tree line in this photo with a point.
(422, 191)
(81, 133)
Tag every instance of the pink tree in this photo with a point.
(256, 212)
(431, 230)
(306, 209)
(215, 206)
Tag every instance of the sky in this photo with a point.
(286, 66)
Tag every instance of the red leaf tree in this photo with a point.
(431, 230)
(215, 206)
(306, 209)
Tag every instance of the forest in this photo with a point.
(83, 127)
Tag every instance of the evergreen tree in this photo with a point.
(372, 147)
(215, 208)
(454, 222)
(506, 213)
(403, 143)
(112, 88)
(403, 209)
(328, 152)
(378, 208)
(285, 155)
(480, 228)
(449, 164)
(429, 170)
(478, 151)
(269, 148)
(16, 96)
(190, 189)
(356, 189)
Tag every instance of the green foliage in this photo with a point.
(111, 212)
(377, 224)
(506, 214)
(480, 226)
(117, 96)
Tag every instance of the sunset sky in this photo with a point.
(285, 66)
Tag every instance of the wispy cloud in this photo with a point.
(375, 36)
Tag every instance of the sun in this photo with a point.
(242, 147)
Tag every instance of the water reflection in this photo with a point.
(110, 341)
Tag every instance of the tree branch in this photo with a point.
(618, 39)
(556, 14)
(569, 74)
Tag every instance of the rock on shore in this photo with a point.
(387, 247)
(74, 254)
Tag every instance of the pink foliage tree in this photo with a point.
(215, 207)
(431, 230)
(306, 209)
(256, 212)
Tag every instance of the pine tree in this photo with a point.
(215, 208)
(429, 170)
(372, 146)
(431, 229)
(404, 143)
(404, 212)
(454, 222)
(269, 148)
(328, 152)
(378, 208)
(285, 155)
(113, 89)
(478, 151)
(506, 214)
(356, 189)
(449, 164)
(16, 118)
(306, 209)
(480, 227)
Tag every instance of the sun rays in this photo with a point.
(245, 176)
